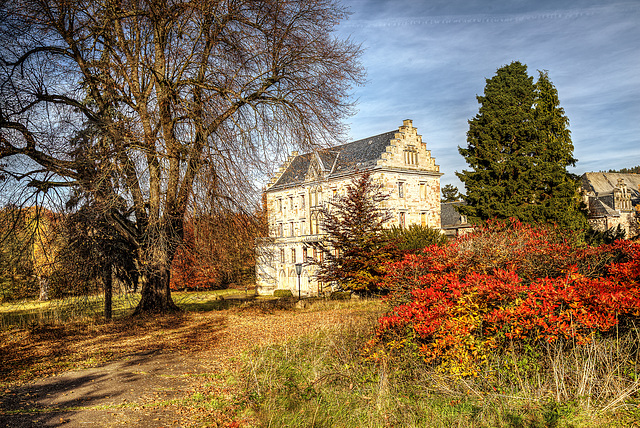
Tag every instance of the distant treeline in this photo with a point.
(632, 170)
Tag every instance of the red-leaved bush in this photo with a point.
(506, 282)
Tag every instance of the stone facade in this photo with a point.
(294, 197)
(612, 199)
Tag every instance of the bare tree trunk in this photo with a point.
(44, 287)
(155, 261)
(204, 95)
(107, 281)
(155, 293)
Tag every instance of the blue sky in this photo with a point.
(427, 61)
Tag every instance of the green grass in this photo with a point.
(26, 313)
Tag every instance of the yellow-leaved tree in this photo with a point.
(46, 246)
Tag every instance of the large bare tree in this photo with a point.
(137, 102)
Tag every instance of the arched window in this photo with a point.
(314, 229)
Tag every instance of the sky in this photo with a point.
(427, 61)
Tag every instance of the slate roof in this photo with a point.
(598, 208)
(357, 155)
(296, 171)
(449, 216)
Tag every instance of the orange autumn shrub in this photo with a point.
(506, 282)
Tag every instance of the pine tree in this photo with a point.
(518, 149)
(450, 193)
(556, 190)
(354, 249)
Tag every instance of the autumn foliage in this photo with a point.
(507, 283)
(216, 252)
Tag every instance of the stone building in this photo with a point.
(453, 223)
(398, 159)
(612, 199)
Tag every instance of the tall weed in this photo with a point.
(324, 380)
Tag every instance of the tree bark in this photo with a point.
(43, 281)
(155, 293)
(107, 280)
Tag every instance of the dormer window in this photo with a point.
(411, 155)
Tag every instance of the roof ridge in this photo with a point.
(362, 139)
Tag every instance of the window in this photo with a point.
(401, 190)
(291, 228)
(315, 223)
(423, 219)
(411, 155)
(423, 191)
(302, 204)
(291, 203)
(282, 255)
(320, 257)
(304, 254)
(293, 255)
(315, 254)
(279, 203)
(303, 227)
(402, 219)
(280, 231)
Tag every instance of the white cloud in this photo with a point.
(428, 60)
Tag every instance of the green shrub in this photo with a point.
(282, 293)
(415, 237)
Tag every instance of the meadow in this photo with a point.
(272, 364)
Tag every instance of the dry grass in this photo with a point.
(321, 379)
(217, 336)
(266, 364)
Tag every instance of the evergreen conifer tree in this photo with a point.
(518, 148)
(354, 223)
(555, 189)
(450, 193)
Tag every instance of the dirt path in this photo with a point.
(126, 392)
(169, 362)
